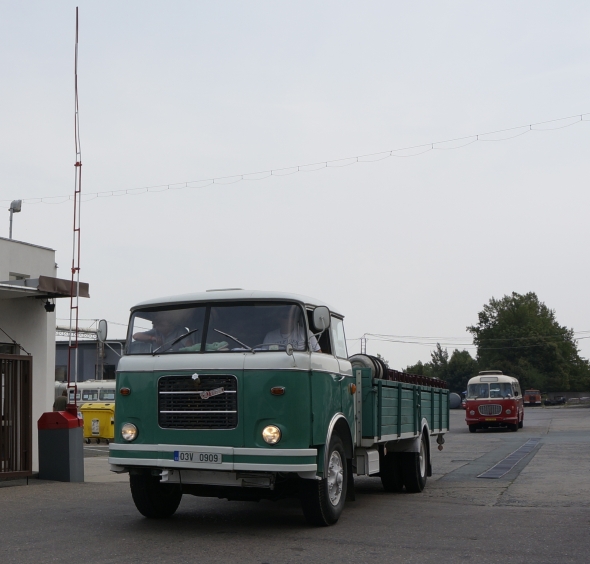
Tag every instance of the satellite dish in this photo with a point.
(101, 334)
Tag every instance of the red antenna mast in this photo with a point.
(75, 280)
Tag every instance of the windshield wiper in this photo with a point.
(174, 341)
(234, 339)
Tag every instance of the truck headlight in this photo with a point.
(271, 434)
(129, 432)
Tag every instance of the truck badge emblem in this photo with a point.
(210, 393)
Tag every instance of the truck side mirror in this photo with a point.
(321, 318)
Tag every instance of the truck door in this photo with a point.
(345, 370)
(325, 393)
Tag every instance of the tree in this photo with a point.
(520, 335)
(455, 370)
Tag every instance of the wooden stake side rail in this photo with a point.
(394, 410)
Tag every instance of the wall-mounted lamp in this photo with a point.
(49, 307)
(15, 207)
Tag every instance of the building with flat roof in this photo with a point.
(28, 289)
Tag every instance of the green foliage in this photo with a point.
(455, 370)
(520, 335)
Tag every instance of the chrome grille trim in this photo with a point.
(180, 405)
(490, 409)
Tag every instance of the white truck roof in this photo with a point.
(233, 295)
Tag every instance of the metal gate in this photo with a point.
(16, 374)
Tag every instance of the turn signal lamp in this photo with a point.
(124, 391)
(271, 434)
(129, 432)
(352, 389)
(277, 391)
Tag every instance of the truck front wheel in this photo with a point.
(323, 500)
(152, 498)
(414, 467)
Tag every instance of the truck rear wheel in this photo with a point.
(323, 500)
(390, 470)
(153, 499)
(414, 467)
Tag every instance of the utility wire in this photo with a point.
(413, 150)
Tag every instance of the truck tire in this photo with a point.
(323, 500)
(390, 470)
(153, 499)
(415, 467)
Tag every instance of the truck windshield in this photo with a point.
(495, 390)
(218, 327)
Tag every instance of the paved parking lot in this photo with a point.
(539, 511)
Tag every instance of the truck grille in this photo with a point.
(180, 405)
(490, 409)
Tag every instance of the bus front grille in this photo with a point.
(490, 409)
(183, 405)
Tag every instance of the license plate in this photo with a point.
(95, 427)
(197, 457)
(490, 419)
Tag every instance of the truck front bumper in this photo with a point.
(125, 456)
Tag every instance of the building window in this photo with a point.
(61, 372)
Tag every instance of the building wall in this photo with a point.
(26, 321)
(87, 358)
(24, 258)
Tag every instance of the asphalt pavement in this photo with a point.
(538, 511)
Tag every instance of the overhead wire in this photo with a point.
(316, 166)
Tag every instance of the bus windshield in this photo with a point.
(219, 327)
(494, 390)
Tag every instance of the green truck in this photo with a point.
(249, 395)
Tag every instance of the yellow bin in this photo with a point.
(99, 421)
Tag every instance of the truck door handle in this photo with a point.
(340, 379)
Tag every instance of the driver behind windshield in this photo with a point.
(291, 331)
(167, 326)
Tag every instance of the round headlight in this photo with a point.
(508, 412)
(271, 434)
(129, 432)
(472, 412)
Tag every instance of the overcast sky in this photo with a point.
(181, 91)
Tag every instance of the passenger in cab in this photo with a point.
(292, 332)
(167, 326)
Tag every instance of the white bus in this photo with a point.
(89, 390)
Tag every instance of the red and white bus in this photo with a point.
(494, 400)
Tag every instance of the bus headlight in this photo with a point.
(129, 432)
(508, 412)
(271, 434)
(472, 412)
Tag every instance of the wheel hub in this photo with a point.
(422, 459)
(335, 477)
